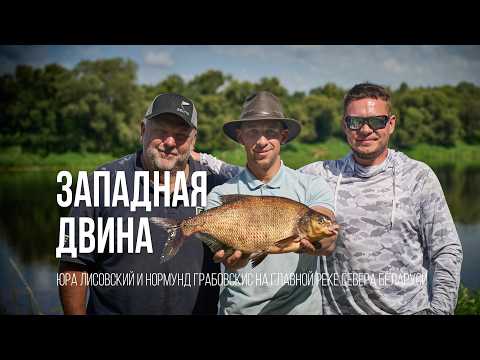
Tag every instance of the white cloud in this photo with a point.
(299, 67)
(252, 51)
(393, 65)
(187, 77)
(160, 58)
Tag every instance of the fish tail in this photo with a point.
(175, 237)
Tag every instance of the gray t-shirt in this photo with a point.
(276, 285)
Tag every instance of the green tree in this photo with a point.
(323, 116)
(206, 83)
(411, 126)
(273, 85)
(236, 92)
(470, 118)
(98, 106)
(104, 104)
(448, 127)
(329, 90)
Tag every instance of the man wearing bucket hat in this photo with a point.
(262, 129)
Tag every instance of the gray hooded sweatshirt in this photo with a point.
(398, 250)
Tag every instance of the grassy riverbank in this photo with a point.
(468, 302)
(294, 155)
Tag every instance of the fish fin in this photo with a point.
(213, 244)
(227, 199)
(258, 258)
(285, 242)
(175, 238)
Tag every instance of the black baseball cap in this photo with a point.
(175, 104)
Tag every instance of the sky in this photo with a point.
(299, 67)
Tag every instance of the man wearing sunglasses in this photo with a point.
(398, 250)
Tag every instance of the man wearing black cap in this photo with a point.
(168, 135)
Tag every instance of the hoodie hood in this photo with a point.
(358, 170)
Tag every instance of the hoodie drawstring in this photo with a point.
(394, 202)
(338, 186)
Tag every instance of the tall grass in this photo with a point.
(468, 302)
(461, 155)
(294, 155)
(18, 160)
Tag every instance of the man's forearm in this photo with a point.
(446, 280)
(219, 167)
(443, 246)
(73, 295)
(446, 257)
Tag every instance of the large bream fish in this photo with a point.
(256, 225)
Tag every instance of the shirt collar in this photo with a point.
(253, 183)
(369, 171)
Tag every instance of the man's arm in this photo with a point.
(73, 297)
(320, 198)
(442, 245)
(217, 166)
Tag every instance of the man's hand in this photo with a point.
(233, 262)
(325, 246)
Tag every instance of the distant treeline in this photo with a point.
(97, 107)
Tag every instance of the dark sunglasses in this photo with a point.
(374, 122)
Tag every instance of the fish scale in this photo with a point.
(259, 222)
(252, 224)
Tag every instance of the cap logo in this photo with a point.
(182, 109)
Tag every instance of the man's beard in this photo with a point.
(370, 155)
(160, 164)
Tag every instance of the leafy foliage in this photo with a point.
(97, 107)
